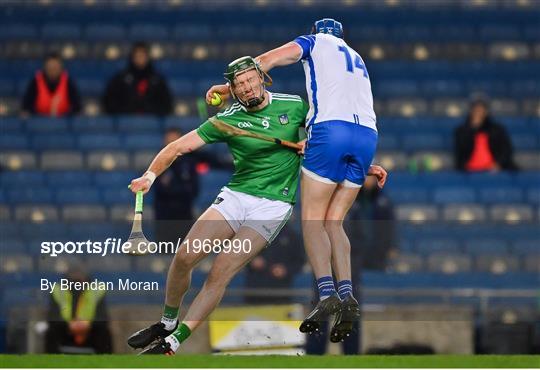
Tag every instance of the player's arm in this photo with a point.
(185, 144)
(286, 54)
(282, 56)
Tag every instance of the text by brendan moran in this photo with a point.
(120, 284)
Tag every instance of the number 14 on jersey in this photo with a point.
(358, 62)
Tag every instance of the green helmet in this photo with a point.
(242, 65)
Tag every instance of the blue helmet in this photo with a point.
(329, 26)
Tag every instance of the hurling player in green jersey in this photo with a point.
(249, 211)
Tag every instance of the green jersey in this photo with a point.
(262, 168)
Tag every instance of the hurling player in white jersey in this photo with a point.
(342, 138)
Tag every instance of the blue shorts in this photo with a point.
(339, 150)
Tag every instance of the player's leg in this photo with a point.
(362, 149)
(340, 204)
(323, 168)
(224, 268)
(315, 198)
(210, 225)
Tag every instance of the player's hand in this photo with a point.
(222, 90)
(380, 173)
(141, 183)
(303, 144)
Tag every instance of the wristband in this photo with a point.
(150, 176)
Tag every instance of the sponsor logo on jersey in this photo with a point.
(244, 124)
(284, 119)
(218, 200)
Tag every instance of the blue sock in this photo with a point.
(326, 287)
(344, 288)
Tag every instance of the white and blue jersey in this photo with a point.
(341, 122)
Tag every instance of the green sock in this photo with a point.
(182, 333)
(170, 312)
(169, 317)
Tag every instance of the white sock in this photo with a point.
(170, 324)
(175, 343)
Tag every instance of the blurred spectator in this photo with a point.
(51, 92)
(138, 88)
(480, 144)
(175, 191)
(78, 320)
(275, 267)
(371, 230)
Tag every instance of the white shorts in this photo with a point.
(265, 216)
(345, 183)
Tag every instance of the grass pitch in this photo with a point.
(208, 361)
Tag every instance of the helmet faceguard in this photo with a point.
(242, 65)
(329, 26)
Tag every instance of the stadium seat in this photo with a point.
(391, 160)
(408, 195)
(68, 178)
(497, 263)
(21, 178)
(431, 245)
(114, 179)
(486, 246)
(61, 160)
(511, 213)
(526, 246)
(18, 160)
(143, 142)
(60, 264)
(147, 32)
(60, 141)
(158, 264)
(417, 212)
(15, 263)
(99, 142)
(11, 246)
(100, 124)
(118, 195)
(38, 125)
(129, 124)
(109, 264)
(30, 195)
(464, 213)
(13, 142)
(104, 32)
(77, 195)
(406, 263)
(500, 194)
(84, 212)
(36, 213)
(60, 31)
(142, 159)
(108, 160)
(5, 211)
(445, 195)
(448, 263)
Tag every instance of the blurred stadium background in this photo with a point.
(468, 245)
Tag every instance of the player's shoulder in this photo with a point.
(280, 97)
(231, 111)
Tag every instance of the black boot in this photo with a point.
(144, 337)
(320, 313)
(349, 312)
